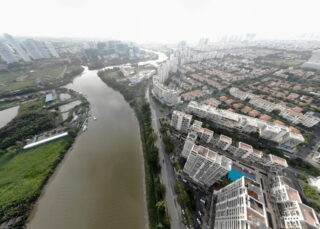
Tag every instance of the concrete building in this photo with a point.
(223, 142)
(17, 47)
(243, 150)
(32, 49)
(164, 94)
(274, 163)
(189, 143)
(240, 205)
(230, 120)
(204, 134)
(236, 92)
(293, 213)
(6, 54)
(52, 49)
(181, 121)
(290, 140)
(205, 166)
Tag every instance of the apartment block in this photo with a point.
(189, 143)
(164, 94)
(205, 166)
(243, 150)
(181, 121)
(274, 163)
(293, 213)
(230, 120)
(240, 205)
(223, 142)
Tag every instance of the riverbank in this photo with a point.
(24, 173)
(23, 176)
(155, 191)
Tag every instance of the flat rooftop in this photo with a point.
(245, 146)
(293, 194)
(225, 138)
(308, 214)
(278, 160)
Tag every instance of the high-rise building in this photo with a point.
(240, 205)
(42, 49)
(6, 54)
(52, 49)
(164, 94)
(17, 47)
(205, 166)
(181, 121)
(293, 213)
(32, 49)
(188, 144)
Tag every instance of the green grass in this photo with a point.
(310, 192)
(6, 105)
(23, 173)
(45, 73)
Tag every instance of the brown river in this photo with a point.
(100, 183)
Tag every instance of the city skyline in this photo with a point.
(168, 22)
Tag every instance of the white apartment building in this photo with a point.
(236, 92)
(231, 120)
(164, 94)
(274, 163)
(6, 54)
(240, 205)
(290, 140)
(287, 113)
(223, 142)
(243, 150)
(262, 104)
(293, 213)
(205, 166)
(296, 118)
(181, 121)
(204, 134)
(189, 143)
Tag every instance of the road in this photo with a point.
(167, 174)
(307, 152)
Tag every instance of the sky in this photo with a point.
(164, 21)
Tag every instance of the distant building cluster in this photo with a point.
(241, 150)
(285, 112)
(267, 130)
(163, 93)
(12, 51)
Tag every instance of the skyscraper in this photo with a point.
(6, 54)
(52, 49)
(17, 47)
(32, 49)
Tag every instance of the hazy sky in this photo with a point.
(159, 20)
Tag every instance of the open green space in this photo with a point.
(23, 173)
(310, 192)
(32, 119)
(41, 76)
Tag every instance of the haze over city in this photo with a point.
(160, 21)
(172, 114)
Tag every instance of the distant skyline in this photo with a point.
(165, 21)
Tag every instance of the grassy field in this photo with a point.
(22, 80)
(23, 173)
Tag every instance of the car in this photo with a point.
(200, 213)
(202, 201)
